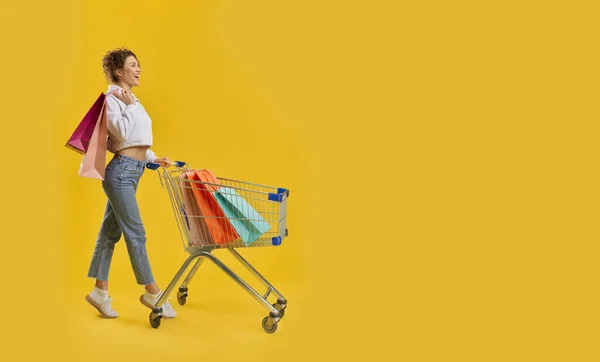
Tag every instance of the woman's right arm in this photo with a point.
(119, 122)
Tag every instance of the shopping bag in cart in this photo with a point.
(80, 139)
(219, 227)
(199, 233)
(246, 221)
(93, 163)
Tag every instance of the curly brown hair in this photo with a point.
(114, 60)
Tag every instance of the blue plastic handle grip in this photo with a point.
(155, 166)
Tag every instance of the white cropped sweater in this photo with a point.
(127, 125)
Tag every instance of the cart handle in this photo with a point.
(155, 166)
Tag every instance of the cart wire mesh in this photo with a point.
(227, 213)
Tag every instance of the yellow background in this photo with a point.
(441, 156)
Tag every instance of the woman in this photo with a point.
(130, 138)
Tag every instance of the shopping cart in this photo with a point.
(232, 214)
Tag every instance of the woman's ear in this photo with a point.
(120, 72)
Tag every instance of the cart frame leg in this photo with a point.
(191, 274)
(273, 312)
(281, 301)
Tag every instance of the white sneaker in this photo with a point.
(102, 304)
(149, 300)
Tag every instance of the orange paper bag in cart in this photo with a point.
(199, 234)
(219, 227)
(210, 178)
(93, 163)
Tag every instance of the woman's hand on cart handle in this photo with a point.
(163, 161)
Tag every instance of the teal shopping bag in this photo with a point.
(245, 219)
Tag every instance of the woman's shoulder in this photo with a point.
(114, 89)
(113, 102)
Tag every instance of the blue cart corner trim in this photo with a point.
(278, 197)
(275, 197)
(277, 240)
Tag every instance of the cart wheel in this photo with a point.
(181, 298)
(155, 320)
(265, 326)
(281, 311)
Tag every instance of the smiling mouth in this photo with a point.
(137, 76)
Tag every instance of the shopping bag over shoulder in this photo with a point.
(93, 163)
(80, 139)
(198, 230)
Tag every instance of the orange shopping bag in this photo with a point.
(220, 229)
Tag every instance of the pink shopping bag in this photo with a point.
(80, 139)
(199, 233)
(93, 163)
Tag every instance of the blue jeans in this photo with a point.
(122, 216)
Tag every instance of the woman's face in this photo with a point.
(130, 73)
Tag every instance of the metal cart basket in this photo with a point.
(223, 214)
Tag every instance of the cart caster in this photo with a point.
(280, 308)
(182, 296)
(268, 325)
(155, 319)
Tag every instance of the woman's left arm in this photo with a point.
(151, 157)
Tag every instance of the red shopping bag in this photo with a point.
(80, 139)
(93, 163)
(219, 227)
